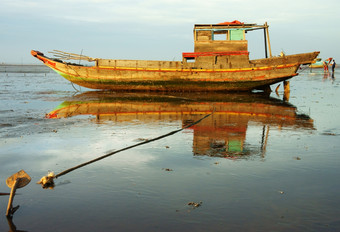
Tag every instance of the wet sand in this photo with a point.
(257, 163)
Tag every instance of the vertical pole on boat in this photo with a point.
(265, 42)
(195, 36)
(268, 41)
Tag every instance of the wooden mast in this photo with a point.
(268, 41)
(265, 43)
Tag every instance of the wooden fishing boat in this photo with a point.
(222, 134)
(220, 62)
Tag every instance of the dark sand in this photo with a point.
(248, 169)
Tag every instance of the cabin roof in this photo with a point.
(229, 25)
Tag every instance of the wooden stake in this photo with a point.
(11, 197)
(286, 90)
(17, 180)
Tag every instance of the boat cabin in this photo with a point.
(221, 46)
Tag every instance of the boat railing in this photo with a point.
(147, 64)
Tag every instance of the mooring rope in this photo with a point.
(47, 181)
(75, 88)
(302, 69)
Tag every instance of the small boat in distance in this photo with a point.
(220, 62)
(317, 63)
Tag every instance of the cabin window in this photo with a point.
(189, 59)
(220, 35)
(237, 35)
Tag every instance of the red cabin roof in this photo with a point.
(235, 22)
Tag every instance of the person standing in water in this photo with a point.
(325, 66)
(326, 63)
(333, 66)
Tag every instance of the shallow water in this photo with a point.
(257, 163)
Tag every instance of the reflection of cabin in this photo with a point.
(220, 46)
(215, 136)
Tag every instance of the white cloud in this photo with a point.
(98, 20)
(173, 11)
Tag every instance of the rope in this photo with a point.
(75, 88)
(303, 69)
(129, 147)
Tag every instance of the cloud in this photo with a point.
(169, 11)
(153, 21)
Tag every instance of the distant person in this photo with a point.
(326, 63)
(333, 66)
(325, 66)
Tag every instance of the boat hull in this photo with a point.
(178, 78)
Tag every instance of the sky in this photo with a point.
(160, 29)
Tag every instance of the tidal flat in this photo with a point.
(255, 162)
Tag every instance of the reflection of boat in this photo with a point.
(222, 134)
(220, 62)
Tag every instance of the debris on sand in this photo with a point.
(47, 181)
(329, 133)
(195, 204)
(141, 140)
